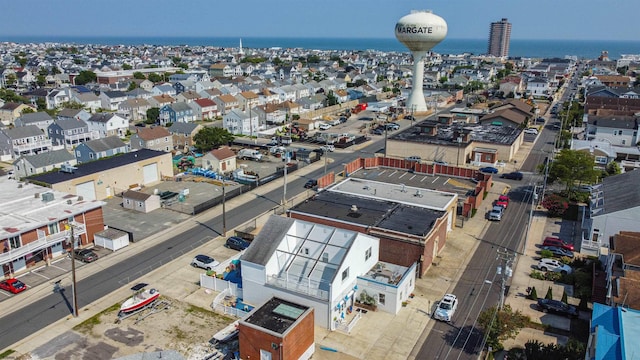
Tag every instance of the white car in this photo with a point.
(532, 131)
(204, 262)
(446, 308)
(554, 265)
(324, 126)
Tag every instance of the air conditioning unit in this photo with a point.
(48, 196)
(80, 198)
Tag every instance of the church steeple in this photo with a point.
(241, 52)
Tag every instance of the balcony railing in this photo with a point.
(41, 243)
(299, 285)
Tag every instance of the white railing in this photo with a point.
(347, 327)
(303, 286)
(40, 244)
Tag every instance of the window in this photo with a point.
(53, 228)
(325, 257)
(381, 298)
(345, 274)
(14, 242)
(367, 254)
(306, 251)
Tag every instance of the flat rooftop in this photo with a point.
(386, 273)
(399, 193)
(276, 315)
(27, 206)
(447, 135)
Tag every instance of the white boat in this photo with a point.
(140, 299)
(228, 332)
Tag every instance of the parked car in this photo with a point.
(446, 308)
(409, 117)
(532, 131)
(392, 126)
(554, 241)
(204, 262)
(324, 126)
(515, 175)
(495, 215)
(13, 285)
(236, 243)
(440, 162)
(413, 158)
(310, 184)
(329, 148)
(554, 265)
(502, 204)
(85, 255)
(558, 307)
(504, 198)
(489, 169)
(378, 131)
(558, 251)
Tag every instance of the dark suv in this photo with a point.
(557, 307)
(310, 184)
(237, 243)
(516, 175)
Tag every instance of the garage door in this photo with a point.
(150, 173)
(86, 190)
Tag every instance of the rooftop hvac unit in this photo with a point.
(354, 208)
(48, 196)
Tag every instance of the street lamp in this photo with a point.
(224, 210)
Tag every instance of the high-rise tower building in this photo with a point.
(499, 38)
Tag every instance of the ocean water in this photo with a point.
(588, 49)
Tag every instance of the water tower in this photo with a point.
(420, 31)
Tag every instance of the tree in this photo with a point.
(555, 204)
(500, 325)
(27, 110)
(155, 78)
(331, 99)
(613, 168)
(138, 75)
(152, 115)
(549, 295)
(71, 105)
(132, 86)
(85, 77)
(126, 67)
(211, 137)
(564, 297)
(572, 166)
(533, 295)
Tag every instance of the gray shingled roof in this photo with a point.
(35, 117)
(21, 132)
(48, 158)
(182, 127)
(621, 192)
(180, 106)
(104, 144)
(267, 240)
(68, 124)
(101, 117)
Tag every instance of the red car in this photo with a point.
(13, 285)
(554, 241)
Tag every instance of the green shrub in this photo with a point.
(566, 260)
(549, 295)
(533, 295)
(564, 297)
(546, 254)
(537, 275)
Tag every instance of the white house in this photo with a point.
(108, 124)
(538, 87)
(320, 266)
(238, 122)
(616, 130)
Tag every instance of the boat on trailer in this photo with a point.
(141, 299)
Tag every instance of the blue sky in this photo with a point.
(466, 19)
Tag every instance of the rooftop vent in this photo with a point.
(67, 168)
(48, 196)
(354, 208)
(418, 193)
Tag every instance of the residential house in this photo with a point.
(622, 267)
(100, 148)
(221, 70)
(210, 93)
(108, 124)
(226, 103)
(28, 165)
(134, 109)
(222, 160)
(163, 89)
(204, 108)
(617, 130)
(78, 114)
(177, 112)
(35, 225)
(538, 86)
(139, 93)
(511, 85)
(161, 100)
(10, 111)
(614, 207)
(154, 138)
(614, 80)
(270, 114)
(40, 119)
(187, 96)
(23, 140)
(57, 97)
(183, 134)
(240, 122)
(110, 100)
(247, 99)
(70, 132)
(184, 85)
(89, 100)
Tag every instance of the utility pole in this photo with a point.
(504, 269)
(73, 271)
(224, 211)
